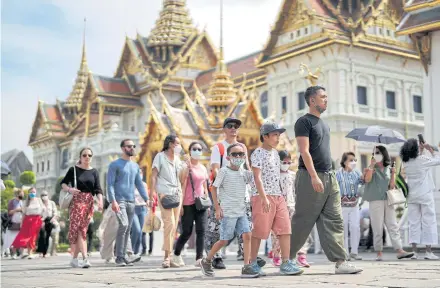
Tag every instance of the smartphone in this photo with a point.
(421, 139)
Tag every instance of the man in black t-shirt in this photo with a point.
(317, 190)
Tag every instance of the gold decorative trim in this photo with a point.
(427, 4)
(420, 28)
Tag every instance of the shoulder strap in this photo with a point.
(192, 182)
(74, 177)
(221, 149)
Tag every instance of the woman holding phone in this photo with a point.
(418, 160)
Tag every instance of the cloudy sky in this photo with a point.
(41, 45)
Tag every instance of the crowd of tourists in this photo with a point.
(252, 198)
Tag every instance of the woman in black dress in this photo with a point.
(81, 207)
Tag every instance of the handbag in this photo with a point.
(201, 203)
(66, 197)
(395, 197)
(151, 223)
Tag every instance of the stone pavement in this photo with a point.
(55, 272)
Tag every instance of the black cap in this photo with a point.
(269, 127)
(232, 119)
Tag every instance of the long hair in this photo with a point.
(81, 151)
(386, 156)
(168, 140)
(409, 150)
(28, 199)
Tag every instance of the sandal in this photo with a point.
(166, 263)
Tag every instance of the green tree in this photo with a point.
(28, 178)
(7, 195)
(9, 184)
(56, 195)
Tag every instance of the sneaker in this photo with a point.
(217, 263)
(290, 268)
(257, 267)
(74, 263)
(110, 260)
(177, 260)
(270, 255)
(355, 257)
(134, 258)
(144, 253)
(415, 256)
(197, 264)
(404, 255)
(276, 261)
(206, 267)
(31, 256)
(128, 262)
(347, 268)
(14, 257)
(261, 262)
(249, 271)
(301, 261)
(431, 256)
(86, 264)
(120, 262)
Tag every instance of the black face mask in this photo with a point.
(20, 197)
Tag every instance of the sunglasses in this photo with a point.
(196, 150)
(130, 146)
(232, 126)
(237, 155)
(287, 163)
(85, 155)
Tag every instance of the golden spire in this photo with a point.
(75, 97)
(174, 25)
(221, 92)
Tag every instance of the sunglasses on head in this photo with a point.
(240, 154)
(196, 150)
(287, 163)
(232, 126)
(87, 155)
(130, 146)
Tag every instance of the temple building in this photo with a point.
(175, 81)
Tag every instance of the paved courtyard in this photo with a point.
(55, 272)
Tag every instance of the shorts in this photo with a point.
(229, 226)
(277, 219)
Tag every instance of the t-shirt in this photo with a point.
(318, 133)
(87, 181)
(231, 186)
(269, 163)
(168, 182)
(199, 175)
(287, 182)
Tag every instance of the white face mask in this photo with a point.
(285, 168)
(45, 198)
(352, 165)
(378, 158)
(177, 149)
(196, 155)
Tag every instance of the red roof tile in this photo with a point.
(112, 85)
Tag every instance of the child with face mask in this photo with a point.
(287, 183)
(230, 209)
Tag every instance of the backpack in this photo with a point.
(221, 149)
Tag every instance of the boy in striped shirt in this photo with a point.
(230, 209)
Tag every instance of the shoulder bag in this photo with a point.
(171, 201)
(66, 197)
(395, 197)
(201, 203)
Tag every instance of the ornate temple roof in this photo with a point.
(75, 98)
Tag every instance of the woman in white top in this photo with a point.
(50, 220)
(421, 206)
(33, 212)
(165, 181)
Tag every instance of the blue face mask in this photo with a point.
(237, 162)
(32, 195)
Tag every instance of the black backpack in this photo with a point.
(6, 221)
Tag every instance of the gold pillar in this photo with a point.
(101, 115)
(89, 104)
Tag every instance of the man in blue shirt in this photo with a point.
(123, 176)
(349, 179)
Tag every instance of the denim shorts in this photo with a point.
(230, 225)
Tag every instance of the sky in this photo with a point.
(41, 43)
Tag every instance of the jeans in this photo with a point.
(136, 228)
(125, 219)
(144, 242)
(191, 215)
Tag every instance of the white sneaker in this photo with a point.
(14, 257)
(86, 264)
(347, 268)
(110, 260)
(355, 256)
(32, 256)
(415, 256)
(133, 258)
(74, 263)
(178, 260)
(431, 256)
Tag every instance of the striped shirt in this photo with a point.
(348, 185)
(231, 187)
